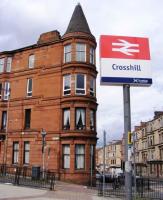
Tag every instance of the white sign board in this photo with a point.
(125, 60)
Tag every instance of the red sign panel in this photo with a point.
(124, 47)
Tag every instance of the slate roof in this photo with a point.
(78, 22)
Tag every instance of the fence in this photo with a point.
(146, 188)
(26, 176)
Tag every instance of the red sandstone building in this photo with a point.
(51, 85)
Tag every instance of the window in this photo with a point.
(80, 84)
(31, 61)
(29, 87)
(6, 91)
(9, 62)
(15, 159)
(26, 152)
(4, 120)
(66, 119)
(66, 156)
(92, 119)
(79, 156)
(0, 90)
(92, 55)
(2, 62)
(67, 84)
(80, 118)
(92, 87)
(27, 118)
(80, 52)
(67, 53)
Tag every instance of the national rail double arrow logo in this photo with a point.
(125, 47)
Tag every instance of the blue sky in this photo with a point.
(22, 21)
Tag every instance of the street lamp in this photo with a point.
(43, 133)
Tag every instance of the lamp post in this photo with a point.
(43, 133)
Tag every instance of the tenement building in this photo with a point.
(113, 157)
(148, 145)
(48, 91)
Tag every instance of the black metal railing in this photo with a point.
(145, 189)
(27, 176)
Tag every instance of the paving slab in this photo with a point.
(63, 191)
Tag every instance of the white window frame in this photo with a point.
(29, 92)
(9, 64)
(65, 90)
(78, 93)
(77, 51)
(2, 64)
(92, 55)
(67, 53)
(6, 90)
(92, 92)
(31, 61)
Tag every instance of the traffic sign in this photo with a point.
(125, 60)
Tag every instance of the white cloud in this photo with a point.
(23, 20)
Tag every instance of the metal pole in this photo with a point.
(104, 141)
(134, 134)
(43, 158)
(127, 129)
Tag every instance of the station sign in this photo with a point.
(125, 60)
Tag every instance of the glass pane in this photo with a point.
(80, 81)
(66, 82)
(6, 90)
(66, 149)
(66, 118)
(80, 47)
(9, 61)
(2, 60)
(31, 61)
(79, 149)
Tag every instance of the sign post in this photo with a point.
(125, 61)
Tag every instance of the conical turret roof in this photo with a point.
(78, 22)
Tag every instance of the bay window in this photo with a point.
(79, 156)
(66, 84)
(67, 53)
(80, 84)
(66, 119)
(81, 52)
(80, 118)
(66, 156)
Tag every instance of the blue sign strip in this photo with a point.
(124, 80)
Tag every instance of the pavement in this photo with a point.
(62, 191)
